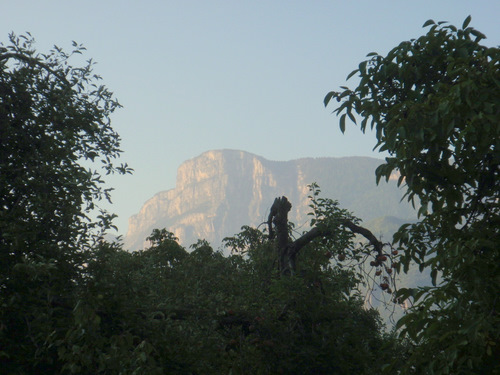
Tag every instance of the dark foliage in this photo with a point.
(434, 104)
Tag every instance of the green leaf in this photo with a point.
(428, 22)
(353, 119)
(328, 97)
(352, 73)
(342, 123)
(466, 22)
(402, 321)
(433, 276)
(423, 209)
(479, 35)
(362, 67)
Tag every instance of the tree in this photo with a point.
(53, 116)
(434, 104)
(330, 224)
(166, 310)
(54, 119)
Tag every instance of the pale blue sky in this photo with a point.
(251, 75)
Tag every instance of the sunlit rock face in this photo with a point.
(218, 192)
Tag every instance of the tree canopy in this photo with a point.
(54, 117)
(71, 303)
(168, 310)
(283, 301)
(434, 105)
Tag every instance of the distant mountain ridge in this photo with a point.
(219, 191)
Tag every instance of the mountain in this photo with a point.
(219, 191)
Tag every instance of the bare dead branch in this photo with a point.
(324, 232)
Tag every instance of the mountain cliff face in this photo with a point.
(218, 192)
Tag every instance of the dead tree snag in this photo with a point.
(287, 250)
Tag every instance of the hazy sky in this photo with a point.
(251, 75)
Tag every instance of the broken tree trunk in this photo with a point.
(287, 250)
(279, 217)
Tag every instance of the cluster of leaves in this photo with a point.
(166, 310)
(327, 215)
(374, 271)
(53, 117)
(434, 104)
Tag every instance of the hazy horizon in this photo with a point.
(199, 76)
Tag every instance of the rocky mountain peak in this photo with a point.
(221, 190)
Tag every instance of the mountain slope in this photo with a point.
(219, 191)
